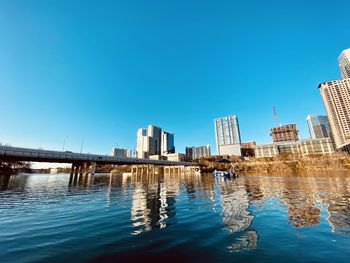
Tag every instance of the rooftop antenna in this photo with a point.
(275, 116)
(82, 144)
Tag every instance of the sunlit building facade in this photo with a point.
(196, 152)
(336, 98)
(302, 147)
(344, 63)
(153, 141)
(227, 136)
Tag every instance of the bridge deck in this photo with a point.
(38, 155)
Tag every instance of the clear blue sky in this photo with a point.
(103, 69)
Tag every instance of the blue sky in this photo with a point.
(103, 69)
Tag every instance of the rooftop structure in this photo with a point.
(285, 133)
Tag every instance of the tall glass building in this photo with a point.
(227, 136)
(318, 126)
(167, 143)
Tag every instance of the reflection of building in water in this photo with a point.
(236, 217)
(248, 240)
(303, 214)
(300, 195)
(304, 198)
(234, 203)
(339, 216)
(338, 207)
(153, 202)
(297, 193)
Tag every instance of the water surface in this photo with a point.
(188, 218)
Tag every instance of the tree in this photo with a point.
(14, 167)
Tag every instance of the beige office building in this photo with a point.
(336, 98)
(302, 147)
(344, 63)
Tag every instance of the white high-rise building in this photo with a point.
(227, 136)
(142, 144)
(344, 63)
(336, 98)
(153, 141)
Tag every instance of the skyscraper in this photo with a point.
(142, 144)
(344, 63)
(227, 136)
(318, 126)
(336, 98)
(167, 143)
(155, 135)
(153, 141)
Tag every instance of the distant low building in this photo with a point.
(266, 150)
(284, 133)
(196, 152)
(321, 145)
(157, 157)
(53, 170)
(302, 147)
(119, 152)
(177, 157)
(248, 148)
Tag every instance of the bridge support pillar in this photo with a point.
(93, 168)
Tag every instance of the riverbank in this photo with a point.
(282, 164)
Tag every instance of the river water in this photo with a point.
(174, 218)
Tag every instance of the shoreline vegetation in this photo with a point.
(14, 167)
(282, 164)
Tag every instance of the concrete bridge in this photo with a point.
(81, 162)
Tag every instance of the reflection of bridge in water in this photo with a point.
(83, 177)
(163, 169)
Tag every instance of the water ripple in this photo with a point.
(50, 218)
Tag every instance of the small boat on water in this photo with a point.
(232, 173)
(222, 173)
